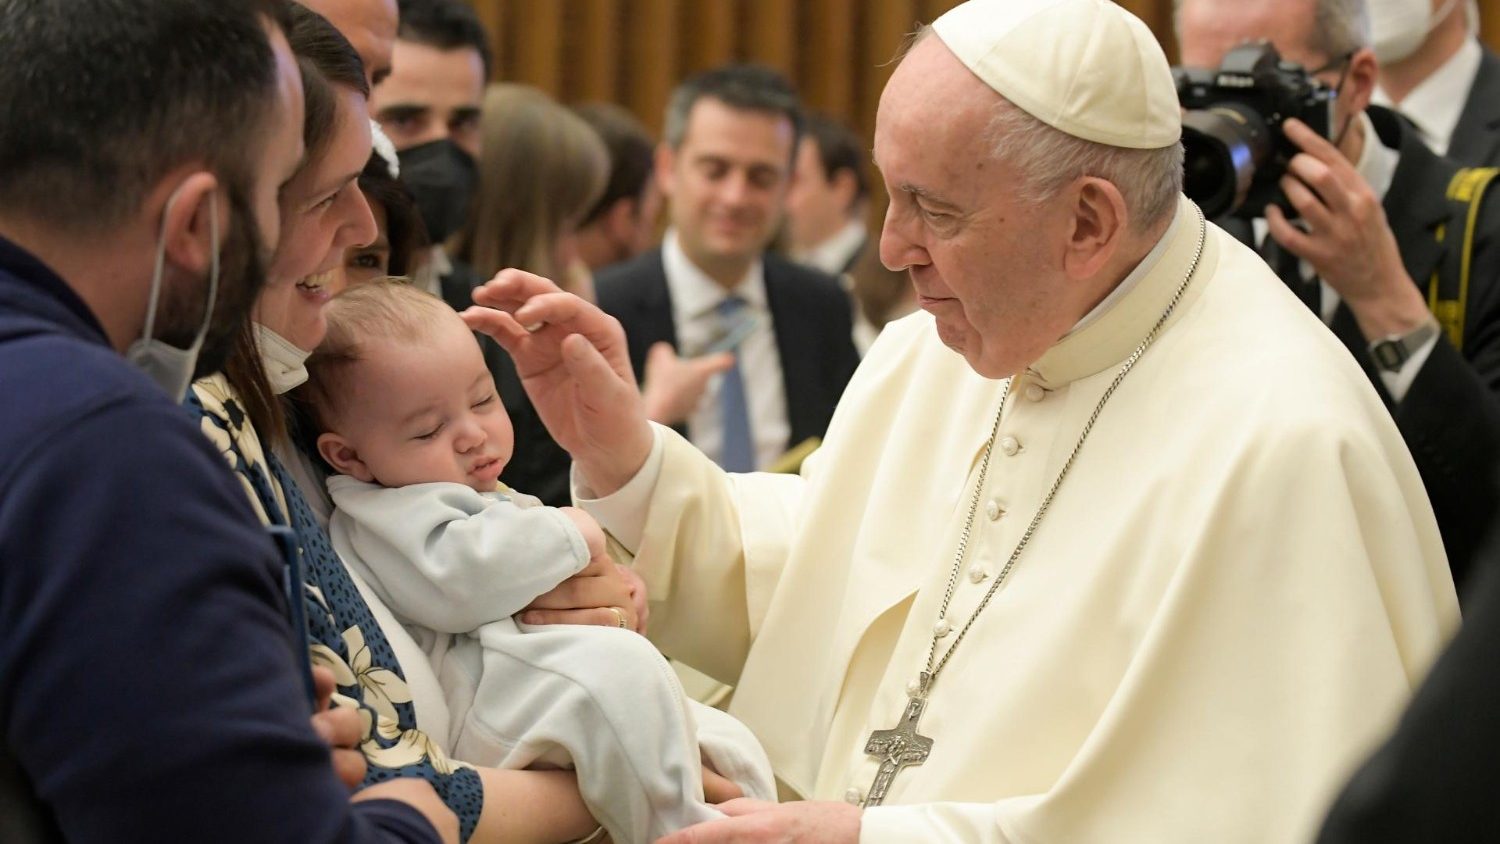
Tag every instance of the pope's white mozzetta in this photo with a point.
(1231, 598)
(1172, 590)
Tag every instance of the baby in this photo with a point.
(409, 419)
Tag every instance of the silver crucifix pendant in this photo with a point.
(900, 746)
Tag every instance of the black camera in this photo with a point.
(1236, 152)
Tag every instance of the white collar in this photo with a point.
(1437, 103)
(1130, 281)
(694, 293)
(833, 254)
(1377, 162)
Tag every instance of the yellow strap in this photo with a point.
(790, 463)
(1467, 186)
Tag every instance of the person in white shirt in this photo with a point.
(1366, 257)
(826, 208)
(725, 166)
(409, 419)
(829, 197)
(1436, 73)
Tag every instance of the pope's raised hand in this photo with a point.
(574, 365)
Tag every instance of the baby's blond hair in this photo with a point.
(385, 309)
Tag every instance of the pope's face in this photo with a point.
(984, 263)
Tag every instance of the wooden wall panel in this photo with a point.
(712, 29)
(1489, 22)
(828, 69)
(534, 45)
(634, 52)
(651, 52)
(596, 62)
(772, 36)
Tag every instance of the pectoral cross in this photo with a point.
(900, 746)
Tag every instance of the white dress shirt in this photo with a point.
(695, 299)
(1377, 166)
(834, 254)
(1437, 103)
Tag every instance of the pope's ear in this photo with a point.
(340, 454)
(1098, 222)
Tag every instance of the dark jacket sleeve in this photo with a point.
(1436, 778)
(148, 685)
(1450, 417)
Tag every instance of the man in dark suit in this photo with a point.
(1366, 248)
(1437, 74)
(829, 198)
(1436, 779)
(725, 166)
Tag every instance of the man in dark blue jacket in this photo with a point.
(149, 680)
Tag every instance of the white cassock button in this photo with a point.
(993, 510)
(854, 796)
(1010, 446)
(1035, 393)
(942, 628)
(912, 688)
(977, 573)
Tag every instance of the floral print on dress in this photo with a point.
(342, 633)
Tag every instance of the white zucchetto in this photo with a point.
(1085, 67)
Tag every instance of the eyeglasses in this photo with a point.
(1339, 62)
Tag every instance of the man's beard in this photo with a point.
(242, 262)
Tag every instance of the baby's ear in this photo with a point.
(341, 455)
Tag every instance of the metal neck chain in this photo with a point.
(930, 675)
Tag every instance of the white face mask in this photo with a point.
(284, 363)
(1398, 27)
(170, 367)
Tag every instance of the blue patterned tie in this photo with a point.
(738, 453)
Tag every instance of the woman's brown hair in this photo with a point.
(542, 170)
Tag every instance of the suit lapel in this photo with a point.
(1476, 138)
(653, 313)
(1415, 205)
(793, 345)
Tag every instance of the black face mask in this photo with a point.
(442, 179)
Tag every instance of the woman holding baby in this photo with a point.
(377, 666)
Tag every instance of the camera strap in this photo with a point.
(1448, 289)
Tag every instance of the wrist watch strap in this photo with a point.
(1392, 352)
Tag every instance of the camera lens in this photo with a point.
(1223, 147)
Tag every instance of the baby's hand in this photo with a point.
(593, 535)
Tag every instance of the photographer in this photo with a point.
(1377, 229)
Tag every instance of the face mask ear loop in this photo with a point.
(213, 272)
(160, 266)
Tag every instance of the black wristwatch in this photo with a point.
(1391, 353)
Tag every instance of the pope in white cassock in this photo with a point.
(1112, 542)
